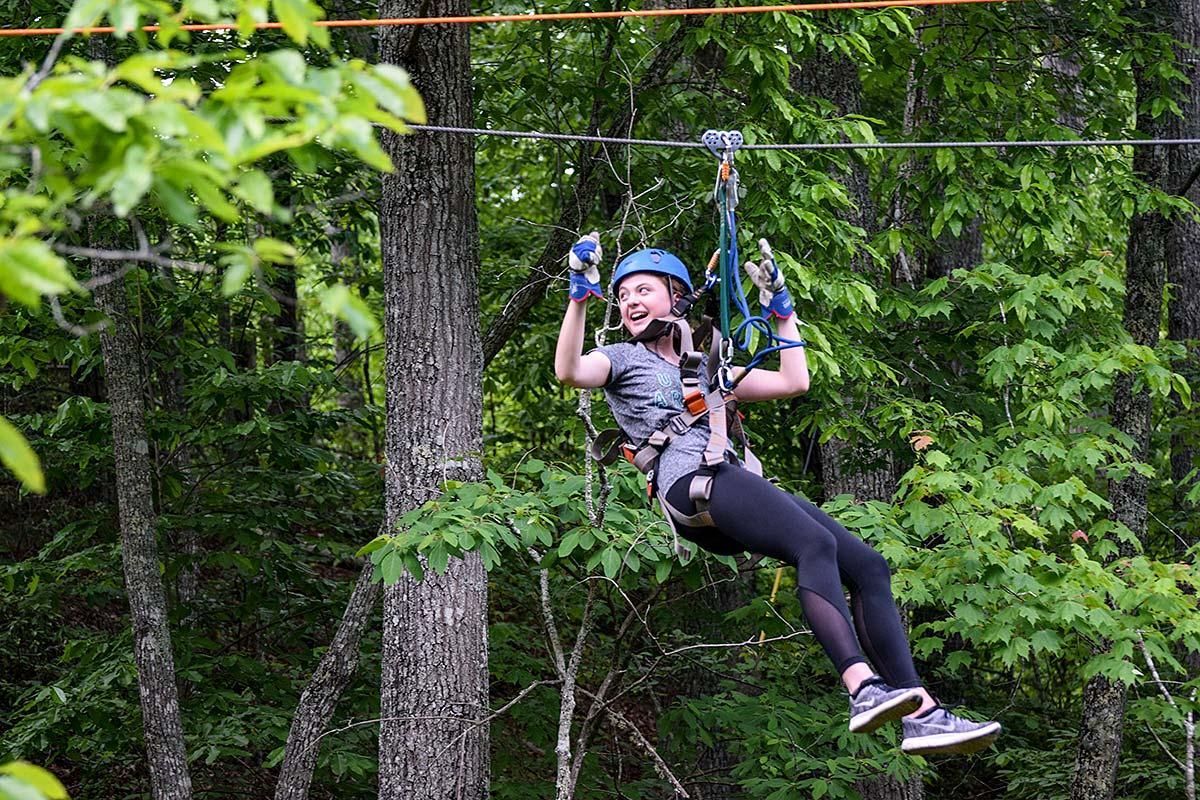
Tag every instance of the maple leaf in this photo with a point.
(920, 440)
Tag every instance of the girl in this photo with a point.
(641, 382)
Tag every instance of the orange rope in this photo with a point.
(657, 12)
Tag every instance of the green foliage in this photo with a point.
(157, 131)
(986, 381)
(632, 545)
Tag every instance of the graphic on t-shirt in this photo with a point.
(670, 393)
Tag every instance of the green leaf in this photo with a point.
(238, 269)
(275, 758)
(568, 544)
(255, 188)
(350, 308)
(105, 107)
(124, 17)
(610, 559)
(372, 546)
(290, 64)
(134, 181)
(214, 200)
(296, 16)
(36, 777)
(392, 567)
(390, 88)
(175, 202)
(438, 559)
(85, 13)
(18, 456)
(13, 789)
(274, 251)
(413, 565)
(30, 269)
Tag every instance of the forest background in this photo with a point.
(237, 346)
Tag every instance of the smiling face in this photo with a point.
(642, 297)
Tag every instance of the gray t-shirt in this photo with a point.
(644, 392)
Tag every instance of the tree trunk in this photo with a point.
(321, 696)
(951, 252)
(1099, 740)
(1183, 253)
(433, 744)
(704, 617)
(166, 754)
(1103, 700)
(287, 334)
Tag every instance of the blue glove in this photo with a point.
(584, 261)
(773, 296)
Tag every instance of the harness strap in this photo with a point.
(718, 439)
(608, 445)
(723, 420)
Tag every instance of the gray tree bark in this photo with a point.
(1183, 273)
(1183, 248)
(434, 696)
(320, 698)
(166, 754)
(1101, 728)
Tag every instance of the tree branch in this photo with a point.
(621, 723)
(142, 255)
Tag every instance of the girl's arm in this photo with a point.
(789, 380)
(792, 377)
(571, 365)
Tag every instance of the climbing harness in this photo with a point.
(709, 396)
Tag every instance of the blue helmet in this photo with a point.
(660, 262)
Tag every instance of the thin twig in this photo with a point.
(48, 63)
(70, 327)
(1188, 723)
(145, 256)
(621, 723)
(472, 723)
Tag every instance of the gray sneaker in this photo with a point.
(876, 703)
(939, 731)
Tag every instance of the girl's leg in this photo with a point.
(876, 618)
(751, 514)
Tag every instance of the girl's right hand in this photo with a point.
(584, 261)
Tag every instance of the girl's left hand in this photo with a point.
(772, 293)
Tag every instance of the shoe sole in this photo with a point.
(880, 715)
(958, 743)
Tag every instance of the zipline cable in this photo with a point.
(790, 8)
(959, 145)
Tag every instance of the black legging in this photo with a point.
(752, 514)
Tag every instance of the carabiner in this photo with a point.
(725, 366)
